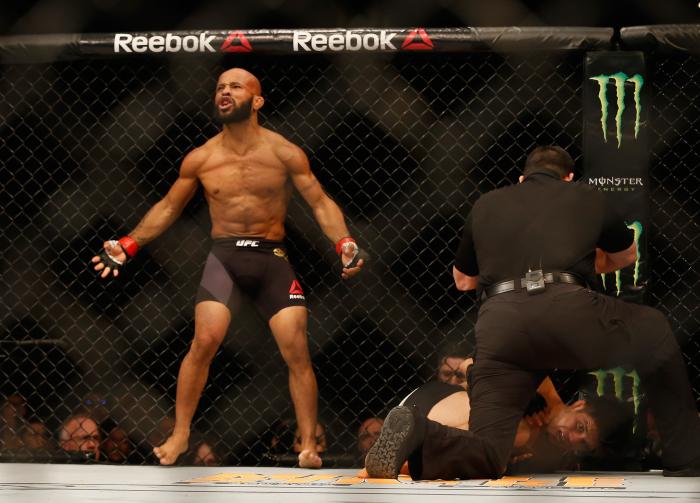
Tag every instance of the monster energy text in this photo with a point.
(616, 183)
(619, 79)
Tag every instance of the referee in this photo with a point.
(532, 250)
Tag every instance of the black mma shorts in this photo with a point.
(257, 268)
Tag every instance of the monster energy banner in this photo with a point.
(615, 152)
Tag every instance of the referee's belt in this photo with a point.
(520, 284)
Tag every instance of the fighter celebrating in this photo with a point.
(247, 172)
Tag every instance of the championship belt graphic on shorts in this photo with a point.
(279, 252)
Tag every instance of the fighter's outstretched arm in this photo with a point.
(155, 222)
(327, 213)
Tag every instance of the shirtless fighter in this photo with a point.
(247, 172)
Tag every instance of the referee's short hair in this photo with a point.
(549, 158)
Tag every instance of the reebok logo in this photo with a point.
(295, 291)
(417, 40)
(236, 42)
(347, 41)
(125, 42)
(248, 243)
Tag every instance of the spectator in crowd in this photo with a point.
(12, 420)
(451, 367)
(367, 434)
(117, 446)
(96, 405)
(203, 454)
(80, 434)
(283, 443)
(99, 405)
(279, 439)
(37, 437)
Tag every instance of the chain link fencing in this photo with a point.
(675, 200)
(404, 143)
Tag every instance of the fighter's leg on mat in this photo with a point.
(499, 394)
(289, 329)
(211, 321)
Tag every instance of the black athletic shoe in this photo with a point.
(689, 471)
(396, 441)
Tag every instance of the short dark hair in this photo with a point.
(615, 421)
(549, 158)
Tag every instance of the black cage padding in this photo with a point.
(65, 47)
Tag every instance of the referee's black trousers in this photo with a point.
(518, 336)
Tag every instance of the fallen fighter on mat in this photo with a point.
(551, 434)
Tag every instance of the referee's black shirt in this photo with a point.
(543, 223)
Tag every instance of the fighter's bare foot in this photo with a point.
(309, 459)
(171, 449)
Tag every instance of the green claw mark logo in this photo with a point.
(636, 226)
(618, 374)
(619, 79)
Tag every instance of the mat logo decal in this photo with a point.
(638, 229)
(619, 79)
(126, 42)
(336, 480)
(345, 40)
(422, 44)
(562, 482)
(236, 42)
(618, 375)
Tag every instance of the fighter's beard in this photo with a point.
(239, 114)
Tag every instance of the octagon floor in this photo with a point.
(20, 483)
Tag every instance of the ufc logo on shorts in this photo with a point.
(248, 243)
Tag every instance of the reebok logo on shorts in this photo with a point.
(295, 291)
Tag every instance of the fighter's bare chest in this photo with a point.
(235, 175)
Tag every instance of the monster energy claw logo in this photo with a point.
(618, 374)
(619, 79)
(636, 226)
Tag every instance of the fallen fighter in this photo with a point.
(550, 436)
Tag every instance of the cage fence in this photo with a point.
(405, 143)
